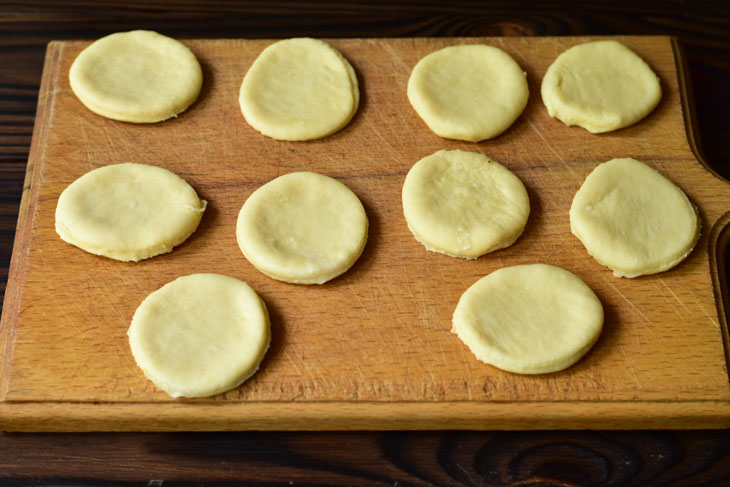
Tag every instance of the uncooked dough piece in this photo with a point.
(200, 335)
(464, 204)
(303, 228)
(633, 220)
(128, 211)
(138, 76)
(299, 89)
(600, 86)
(470, 92)
(529, 319)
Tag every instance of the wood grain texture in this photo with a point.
(371, 349)
(435, 458)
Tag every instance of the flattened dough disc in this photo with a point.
(633, 220)
(200, 335)
(529, 319)
(464, 204)
(128, 211)
(600, 86)
(138, 76)
(470, 92)
(299, 89)
(303, 228)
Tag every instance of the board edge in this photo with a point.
(23, 229)
(351, 416)
(719, 241)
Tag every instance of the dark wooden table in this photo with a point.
(449, 458)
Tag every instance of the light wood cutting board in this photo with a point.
(373, 348)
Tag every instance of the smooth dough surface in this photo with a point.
(128, 211)
(632, 219)
(529, 319)
(139, 76)
(299, 89)
(600, 86)
(469, 92)
(464, 204)
(200, 335)
(303, 228)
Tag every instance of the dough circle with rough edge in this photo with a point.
(128, 211)
(632, 219)
(139, 76)
(200, 335)
(529, 319)
(469, 92)
(299, 89)
(303, 228)
(600, 86)
(464, 204)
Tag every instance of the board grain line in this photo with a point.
(719, 248)
(18, 267)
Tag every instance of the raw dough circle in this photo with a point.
(303, 228)
(600, 86)
(299, 89)
(464, 204)
(632, 219)
(200, 335)
(128, 211)
(529, 319)
(138, 76)
(470, 92)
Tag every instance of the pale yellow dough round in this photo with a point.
(299, 89)
(302, 228)
(200, 335)
(464, 204)
(633, 220)
(600, 86)
(469, 92)
(139, 76)
(529, 319)
(128, 211)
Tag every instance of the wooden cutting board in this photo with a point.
(373, 348)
